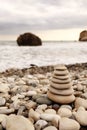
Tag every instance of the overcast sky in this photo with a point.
(18, 16)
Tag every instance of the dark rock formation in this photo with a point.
(83, 36)
(28, 39)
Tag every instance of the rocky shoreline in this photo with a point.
(42, 70)
(24, 102)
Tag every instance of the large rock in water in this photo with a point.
(83, 36)
(28, 39)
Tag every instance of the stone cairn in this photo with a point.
(60, 89)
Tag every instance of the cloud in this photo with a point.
(23, 15)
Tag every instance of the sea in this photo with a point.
(50, 53)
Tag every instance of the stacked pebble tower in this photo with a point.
(60, 89)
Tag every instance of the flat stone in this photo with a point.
(64, 72)
(60, 86)
(63, 77)
(60, 67)
(61, 91)
(60, 81)
(16, 122)
(68, 124)
(61, 99)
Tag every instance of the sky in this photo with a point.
(49, 19)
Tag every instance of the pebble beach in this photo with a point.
(24, 100)
(43, 65)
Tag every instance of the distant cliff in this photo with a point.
(83, 36)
